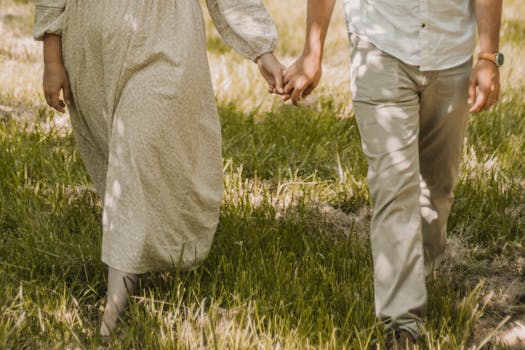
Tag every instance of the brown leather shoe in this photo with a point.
(400, 340)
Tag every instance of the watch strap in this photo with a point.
(489, 56)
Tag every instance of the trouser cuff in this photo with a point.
(411, 325)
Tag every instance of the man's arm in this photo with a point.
(485, 80)
(303, 76)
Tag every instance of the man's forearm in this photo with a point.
(488, 17)
(318, 18)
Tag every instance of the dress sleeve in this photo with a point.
(48, 17)
(245, 25)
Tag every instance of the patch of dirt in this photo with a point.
(514, 335)
(504, 299)
(341, 223)
(502, 292)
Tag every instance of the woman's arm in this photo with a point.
(48, 28)
(55, 75)
(247, 27)
(49, 16)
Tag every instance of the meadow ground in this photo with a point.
(290, 267)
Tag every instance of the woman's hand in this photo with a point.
(55, 80)
(55, 75)
(272, 71)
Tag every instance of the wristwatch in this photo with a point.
(497, 58)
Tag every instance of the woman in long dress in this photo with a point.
(135, 77)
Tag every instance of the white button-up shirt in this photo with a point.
(431, 34)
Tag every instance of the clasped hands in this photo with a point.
(295, 82)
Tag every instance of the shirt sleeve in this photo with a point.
(244, 25)
(48, 17)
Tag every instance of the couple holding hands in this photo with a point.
(135, 77)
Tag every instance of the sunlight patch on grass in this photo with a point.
(21, 84)
(16, 18)
(515, 336)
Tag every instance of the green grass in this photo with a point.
(299, 139)
(290, 266)
(271, 278)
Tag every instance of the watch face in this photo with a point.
(500, 59)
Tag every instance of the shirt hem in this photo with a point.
(397, 55)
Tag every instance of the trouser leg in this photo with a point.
(386, 104)
(443, 117)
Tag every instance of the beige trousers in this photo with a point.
(412, 126)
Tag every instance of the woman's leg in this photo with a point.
(120, 286)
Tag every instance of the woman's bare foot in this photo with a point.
(120, 286)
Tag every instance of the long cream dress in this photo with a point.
(145, 118)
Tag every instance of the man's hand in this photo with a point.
(302, 77)
(484, 81)
(55, 80)
(484, 86)
(272, 71)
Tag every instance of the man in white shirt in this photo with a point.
(412, 84)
